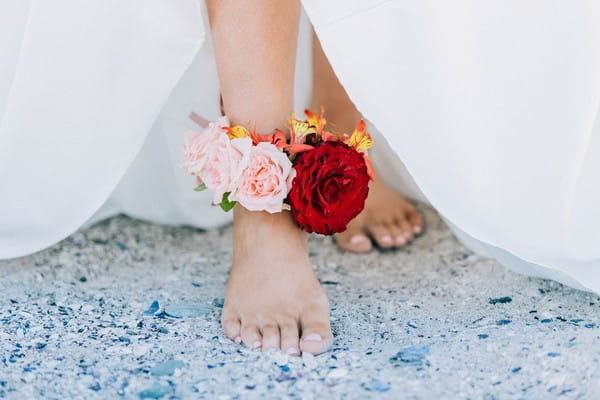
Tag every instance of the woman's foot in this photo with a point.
(274, 300)
(388, 221)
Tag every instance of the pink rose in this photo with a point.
(210, 157)
(262, 179)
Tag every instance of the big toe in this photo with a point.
(232, 326)
(316, 332)
(354, 239)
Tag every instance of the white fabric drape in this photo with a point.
(493, 108)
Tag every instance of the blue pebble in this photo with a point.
(413, 355)
(380, 386)
(155, 392)
(516, 369)
(186, 310)
(166, 368)
(154, 308)
(590, 325)
(125, 339)
(503, 322)
(483, 336)
(501, 300)
(122, 246)
(218, 302)
(553, 354)
(284, 368)
(546, 320)
(95, 387)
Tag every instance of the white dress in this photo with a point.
(493, 108)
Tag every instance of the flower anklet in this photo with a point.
(321, 176)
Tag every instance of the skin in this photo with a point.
(273, 298)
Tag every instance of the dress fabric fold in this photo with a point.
(493, 110)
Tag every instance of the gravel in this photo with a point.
(128, 309)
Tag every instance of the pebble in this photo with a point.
(379, 386)
(337, 373)
(156, 392)
(413, 355)
(186, 310)
(500, 300)
(154, 308)
(166, 368)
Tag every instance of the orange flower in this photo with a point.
(360, 140)
(317, 121)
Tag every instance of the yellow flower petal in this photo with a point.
(360, 139)
(237, 132)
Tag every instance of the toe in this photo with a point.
(416, 220)
(316, 332)
(289, 337)
(397, 233)
(232, 328)
(407, 229)
(251, 335)
(381, 234)
(354, 239)
(270, 336)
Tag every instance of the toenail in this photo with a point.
(386, 239)
(238, 340)
(417, 229)
(400, 240)
(358, 239)
(257, 344)
(312, 337)
(292, 351)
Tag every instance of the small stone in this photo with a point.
(162, 329)
(413, 355)
(167, 368)
(155, 392)
(337, 373)
(125, 339)
(500, 300)
(553, 354)
(186, 310)
(503, 322)
(379, 386)
(154, 308)
(95, 387)
(483, 336)
(218, 302)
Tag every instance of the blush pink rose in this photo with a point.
(210, 157)
(262, 180)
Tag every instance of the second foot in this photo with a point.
(388, 221)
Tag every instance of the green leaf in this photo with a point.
(226, 204)
(200, 187)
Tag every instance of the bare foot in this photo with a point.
(274, 300)
(388, 219)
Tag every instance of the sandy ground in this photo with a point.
(432, 321)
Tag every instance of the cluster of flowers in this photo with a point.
(321, 176)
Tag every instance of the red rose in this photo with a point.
(329, 189)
